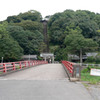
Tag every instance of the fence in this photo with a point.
(12, 66)
(73, 69)
(94, 65)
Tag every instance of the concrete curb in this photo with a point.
(66, 71)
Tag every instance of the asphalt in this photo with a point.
(94, 91)
(45, 82)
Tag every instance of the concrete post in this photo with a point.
(53, 59)
(45, 59)
(77, 71)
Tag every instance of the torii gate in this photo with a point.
(48, 56)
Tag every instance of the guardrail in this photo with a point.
(95, 65)
(73, 69)
(69, 66)
(12, 66)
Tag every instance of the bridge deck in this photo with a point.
(43, 72)
(45, 82)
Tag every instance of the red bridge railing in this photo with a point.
(6, 67)
(73, 70)
(69, 66)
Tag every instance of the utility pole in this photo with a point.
(2, 60)
(29, 57)
(81, 57)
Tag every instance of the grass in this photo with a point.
(91, 79)
(86, 85)
(18, 67)
(1, 72)
(85, 76)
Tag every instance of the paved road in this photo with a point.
(45, 82)
(94, 91)
(43, 72)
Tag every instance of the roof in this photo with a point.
(46, 55)
(29, 56)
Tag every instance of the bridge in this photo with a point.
(38, 80)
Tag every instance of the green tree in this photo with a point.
(75, 43)
(57, 37)
(29, 41)
(31, 25)
(61, 54)
(10, 49)
(3, 27)
(31, 15)
(13, 19)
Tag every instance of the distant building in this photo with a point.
(84, 57)
(29, 57)
(93, 54)
(48, 57)
(76, 58)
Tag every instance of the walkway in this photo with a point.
(44, 82)
(42, 72)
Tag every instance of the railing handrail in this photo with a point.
(68, 65)
(73, 69)
(5, 67)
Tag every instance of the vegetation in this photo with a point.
(68, 32)
(21, 34)
(85, 75)
(74, 30)
(93, 60)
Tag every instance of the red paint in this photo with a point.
(4, 67)
(69, 66)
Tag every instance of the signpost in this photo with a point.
(95, 72)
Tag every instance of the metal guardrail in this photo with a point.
(98, 65)
(86, 65)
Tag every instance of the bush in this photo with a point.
(94, 60)
(90, 59)
(87, 70)
(85, 75)
(97, 60)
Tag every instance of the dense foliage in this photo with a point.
(9, 48)
(85, 75)
(68, 32)
(21, 34)
(74, 30)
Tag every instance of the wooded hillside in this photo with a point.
(68, 32)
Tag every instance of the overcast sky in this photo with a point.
(45, 7)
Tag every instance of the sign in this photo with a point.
(95, 72)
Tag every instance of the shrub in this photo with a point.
(94, 60)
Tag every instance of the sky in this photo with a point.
(45, 7)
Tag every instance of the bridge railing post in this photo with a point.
(25, 63)
(20, 65)
(73, 70)
(29, 63)
(14, 68)
(32, 63)
(4, 67)
(8, 67)
(77, 71)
